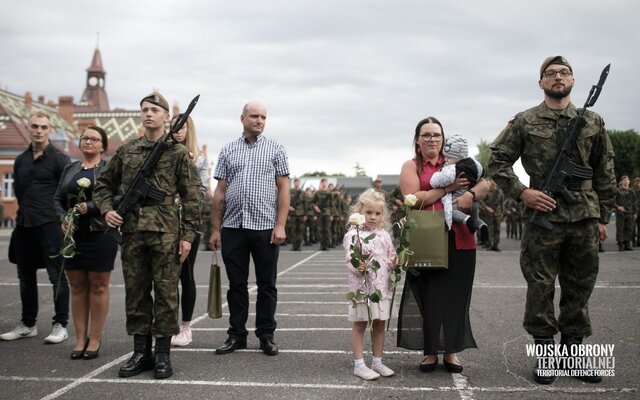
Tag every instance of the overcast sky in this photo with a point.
(343, 81)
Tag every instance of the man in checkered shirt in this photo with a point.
(250, 207)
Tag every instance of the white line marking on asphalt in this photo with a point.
(93, 373)
(461, 384)
(292, 385)
(477, 286)
(286, 329)
(86, 378)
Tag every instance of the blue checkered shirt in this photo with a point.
(250, 172)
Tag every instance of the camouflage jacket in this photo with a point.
(298, 202)
(627, 199)
(323, 200)
(495, 200)
(174, 174)
(535, 136)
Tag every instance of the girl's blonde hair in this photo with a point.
(190, 142)
(371, 196)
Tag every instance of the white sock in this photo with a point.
(376, 361)
(358, 362)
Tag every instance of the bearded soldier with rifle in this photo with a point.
(156, 233)
(568, 155)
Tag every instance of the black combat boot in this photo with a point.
(162, 360)
(585, 374)
(620, 246)
(538, 373)
(627, 246)
(142, 358)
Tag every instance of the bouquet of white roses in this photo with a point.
(405, 225)
(69, 220)
(371, 265)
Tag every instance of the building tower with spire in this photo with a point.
(94, 97)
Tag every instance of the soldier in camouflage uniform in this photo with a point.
(512, 218)
(297, 215)
(626, 214)
(492, 210)
(570, 250)
(156, 237)
(322, 206)
(310, 222)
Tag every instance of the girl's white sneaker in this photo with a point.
(382, 369)
(366, 373)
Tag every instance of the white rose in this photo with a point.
(410, 200)
(83, 183)
(356, 219)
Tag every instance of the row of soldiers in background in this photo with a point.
(317, 216)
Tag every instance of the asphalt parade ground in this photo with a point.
(314, 339)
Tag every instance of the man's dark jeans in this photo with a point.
(39, 247)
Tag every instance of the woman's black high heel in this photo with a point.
(78, 354)
(90, 355)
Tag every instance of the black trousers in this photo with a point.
(237, 246)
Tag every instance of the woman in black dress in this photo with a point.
(434, 310)
(89, 270)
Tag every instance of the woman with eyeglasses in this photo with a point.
(89, 270)
(434, 309)
(187, 136)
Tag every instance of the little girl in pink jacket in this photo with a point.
(371, 207)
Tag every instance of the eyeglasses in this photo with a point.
(35, 127)
(552, 73)
(436, 137)
(90, 139)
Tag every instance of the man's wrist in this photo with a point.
(472, 194)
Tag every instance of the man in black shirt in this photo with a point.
(37, 234)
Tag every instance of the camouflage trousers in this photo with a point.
(324, 231)
(570, 253)
(493, 223)
(297, 230)
(624, 227)
(150, 263)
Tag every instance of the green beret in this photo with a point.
(560, 60)
(157, 99)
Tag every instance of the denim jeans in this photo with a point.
(237, 246)
(39, 247)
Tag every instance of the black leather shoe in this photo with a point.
(138, 363)
(540, 375)
(142, 358)
(162, 361)
(268, 347)
(428, 367)
(454, 368)
(90, 355)
(231, 345)
(78, 354)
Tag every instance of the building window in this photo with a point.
(7, 185)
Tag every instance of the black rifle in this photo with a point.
(564, 168)
(141, 191)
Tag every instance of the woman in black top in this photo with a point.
(89, 270)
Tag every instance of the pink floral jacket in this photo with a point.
(381, 248)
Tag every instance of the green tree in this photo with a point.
(483, 154)
(626, 145)
(359, 170)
